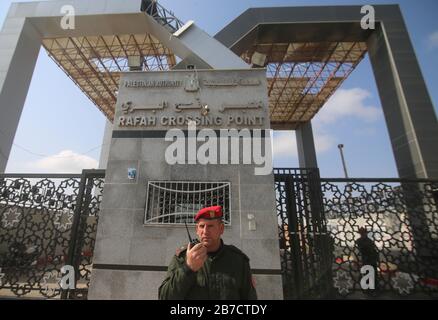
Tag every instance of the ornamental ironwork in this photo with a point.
(388, 224)
(47, 222)
(399, 219)
(302, 231)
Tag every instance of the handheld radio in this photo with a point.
(192, 241)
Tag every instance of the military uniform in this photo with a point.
(225, 275)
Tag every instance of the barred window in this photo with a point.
(176, 202)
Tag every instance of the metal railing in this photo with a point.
(163, 16)
(177, 202)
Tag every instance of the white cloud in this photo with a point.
(433, 40)
(347, 103)
(65, 161)
(365, 131)
(323, 142)
(285, 144)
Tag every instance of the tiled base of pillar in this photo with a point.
(143, 285)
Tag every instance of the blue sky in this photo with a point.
(61, 130)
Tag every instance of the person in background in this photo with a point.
(368, 251)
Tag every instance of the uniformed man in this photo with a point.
(209, 269)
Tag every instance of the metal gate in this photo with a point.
(304, 243)
(47, 222)
(320, 223)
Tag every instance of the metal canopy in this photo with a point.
(94, 63)
(307, 57)
(302, 74)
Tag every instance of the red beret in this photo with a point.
(209, 213)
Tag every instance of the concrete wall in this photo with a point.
(19, 47)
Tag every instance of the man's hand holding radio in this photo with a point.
(196, 256)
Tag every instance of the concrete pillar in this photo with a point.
(410, 118)
(106, 143)
(306, 146)
(408, 109)
(19, 47)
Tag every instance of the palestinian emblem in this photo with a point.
(191, 83)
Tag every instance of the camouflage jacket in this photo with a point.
(226, 275)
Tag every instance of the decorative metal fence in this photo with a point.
(47, 222)
(400, 219)
(176, 202)
(323, 252)
(302, 231)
